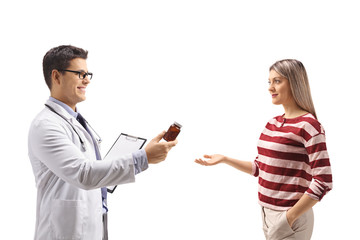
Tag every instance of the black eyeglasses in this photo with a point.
(82, 74)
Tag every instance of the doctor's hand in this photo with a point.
(157, 151)
(211, 160)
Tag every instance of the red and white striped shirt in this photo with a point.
(292, 160)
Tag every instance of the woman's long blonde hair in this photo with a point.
(295, 72)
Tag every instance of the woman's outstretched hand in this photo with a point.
(210, 160)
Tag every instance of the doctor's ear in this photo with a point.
(55, 76)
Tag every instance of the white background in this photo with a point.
(203, 64)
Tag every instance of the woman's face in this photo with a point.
(279, 88)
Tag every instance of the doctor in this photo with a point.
(63, 150)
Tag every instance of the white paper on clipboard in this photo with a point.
(123, 145)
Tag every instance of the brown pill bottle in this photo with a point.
(173, 131)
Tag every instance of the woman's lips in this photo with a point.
(274, 95)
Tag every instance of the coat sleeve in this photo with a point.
(51, 145)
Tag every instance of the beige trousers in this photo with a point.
(276, 226)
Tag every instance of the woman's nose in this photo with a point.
(271, 88)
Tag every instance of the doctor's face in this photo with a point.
(72, 88)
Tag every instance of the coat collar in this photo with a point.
(66, 107)
(62, 111)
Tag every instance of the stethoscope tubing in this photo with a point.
(81, 141)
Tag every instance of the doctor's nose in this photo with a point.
(86, 80)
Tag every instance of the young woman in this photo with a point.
(292, 164)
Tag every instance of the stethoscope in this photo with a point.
(81, 141)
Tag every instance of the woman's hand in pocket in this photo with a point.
(290, 217)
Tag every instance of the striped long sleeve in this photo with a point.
(292, 160)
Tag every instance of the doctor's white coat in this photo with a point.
(69, 179)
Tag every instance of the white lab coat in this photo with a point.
(68, 179)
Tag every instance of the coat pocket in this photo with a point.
(67, 219)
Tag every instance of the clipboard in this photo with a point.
(123, 145)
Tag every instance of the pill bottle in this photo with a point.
(173, 131)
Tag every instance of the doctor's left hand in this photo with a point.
(157, 151)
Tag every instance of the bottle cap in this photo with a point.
(178, 124)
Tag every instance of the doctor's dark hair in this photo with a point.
(59, 58)
(294, 71)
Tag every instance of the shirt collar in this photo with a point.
(66, 107)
